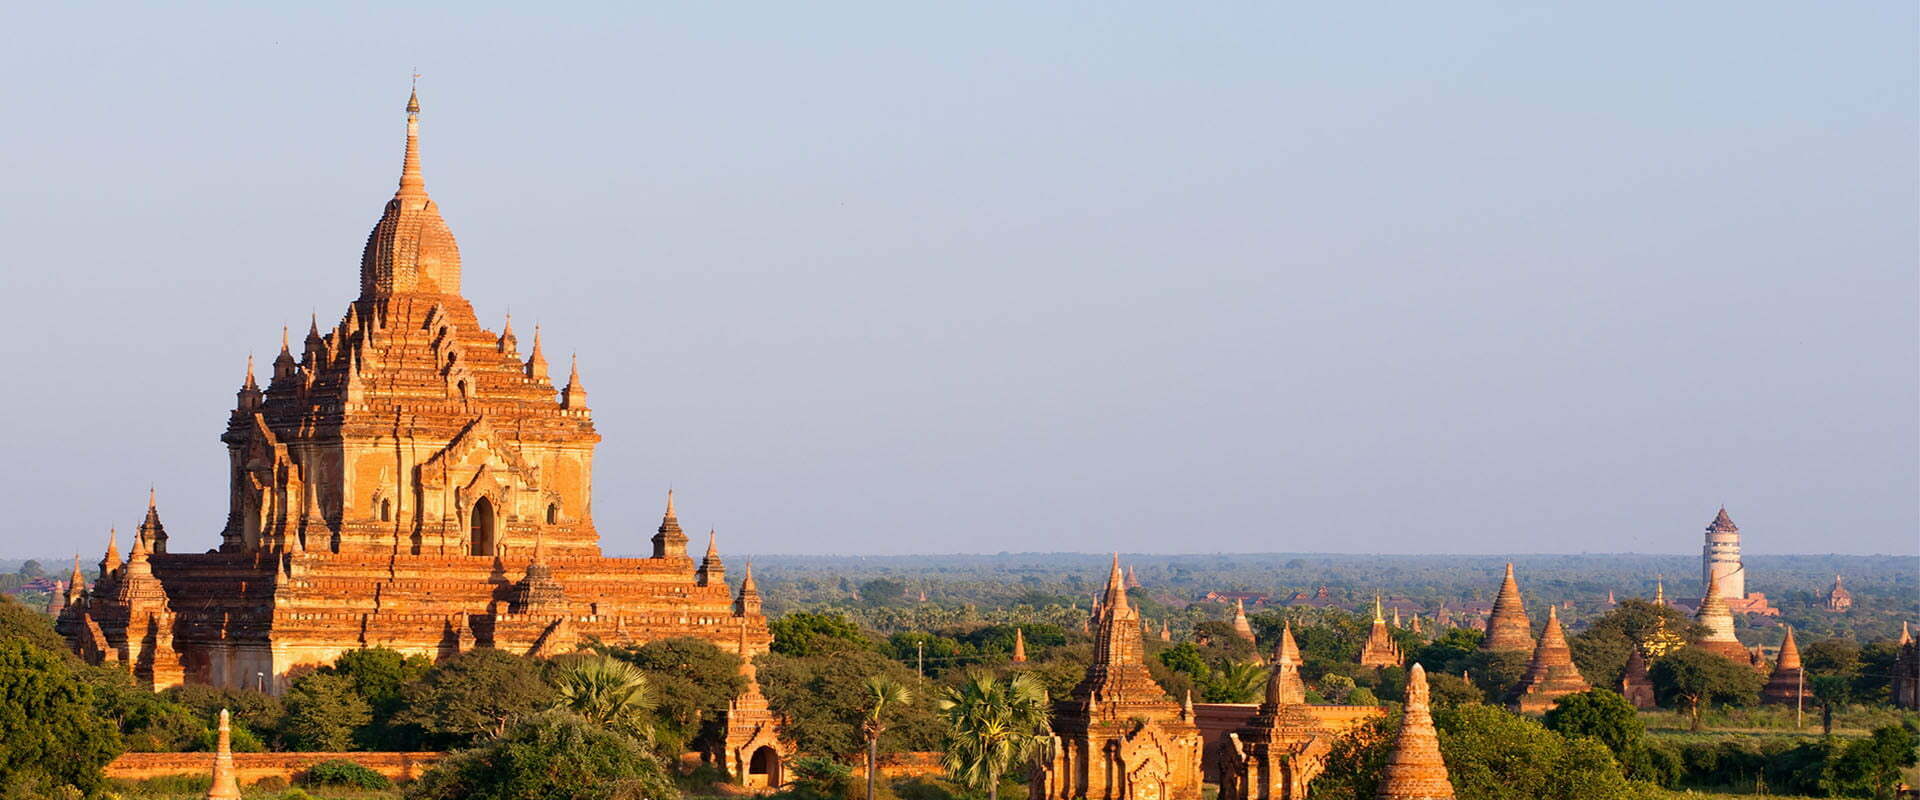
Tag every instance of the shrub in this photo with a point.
(341, 772)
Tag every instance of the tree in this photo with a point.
(379, 676)
(20, 622)
(549, 756)
(1606, 716)
(1690, 678)
(882, 591)
(804, 633)
(1831, 692)
(257, 713)
(1185, 658)
(1601, 714)
(1235, 682)
(993, 727)
(1451, 690)
(477, 693)
(323, 713)
(884, 696)
(1448, 653)
(1601, 651)
(48, 726)
(1496, 671)
(1491, 754)
(1871, 767)
(148, 722)
(607, 692)
(692, 681)
(824, 699)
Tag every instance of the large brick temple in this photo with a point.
(406, 479)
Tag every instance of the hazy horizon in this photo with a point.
(1475, 280)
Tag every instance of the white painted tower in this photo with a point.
(1720, 558)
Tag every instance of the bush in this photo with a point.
(818, 777)
(552, 756)
(341, 772)
(271, 783)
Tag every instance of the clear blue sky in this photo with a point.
(896, 278)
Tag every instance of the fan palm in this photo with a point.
(1236, 682)
(993, 727)
(884, 696)
(607, 692)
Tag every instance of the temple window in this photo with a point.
(553, 513)
(481, 541)
(386, 510)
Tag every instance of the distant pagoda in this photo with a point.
(1551, 674)
(1718, 620)
(1507, 627)
(1788, 680)
(1380, 649)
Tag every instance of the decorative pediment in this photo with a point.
(480, 444)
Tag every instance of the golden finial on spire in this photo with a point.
(412, 185)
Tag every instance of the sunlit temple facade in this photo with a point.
(405, 478)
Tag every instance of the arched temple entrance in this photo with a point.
(763, 769)
(480, 540)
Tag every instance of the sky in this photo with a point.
(926, 278)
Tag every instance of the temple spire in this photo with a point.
(1116, 595)
(574, 396)
(151, 531)
(225, 786)
(748, 603)
(111, 561)
(711, 571)
(1019, 646)
(1284, 684)
(669, 541)
(537, 360)
(76, 585)
(412, 185)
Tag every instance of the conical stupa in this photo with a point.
(1551, 674)
(1415, 770)
(1507, 626)
(1788, 680)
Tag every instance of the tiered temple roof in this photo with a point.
(1507, 627)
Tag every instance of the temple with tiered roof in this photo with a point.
(408, 479)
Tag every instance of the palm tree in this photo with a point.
(884, 694)
(993, 727)
(607, 692)
(1237, 682)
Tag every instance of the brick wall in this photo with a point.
(252, 767)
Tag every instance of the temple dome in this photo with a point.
(411, 250)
